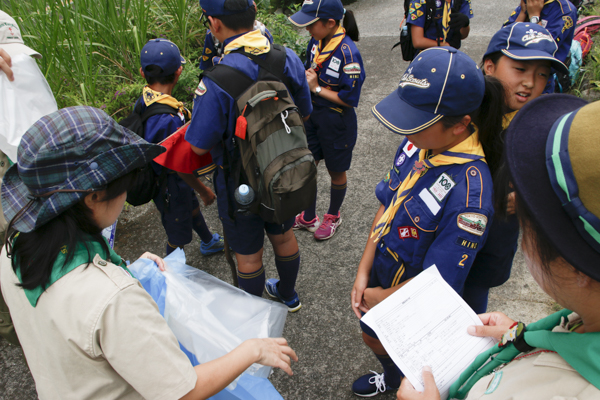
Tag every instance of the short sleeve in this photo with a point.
(352, 76)
(294, 69)
(416, 13)
(466, 8)
(135, 339)
(513, 16)
(210, 51)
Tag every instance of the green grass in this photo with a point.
(91, 48)
(588, 79)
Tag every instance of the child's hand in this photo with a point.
(311, 78)
(208, 196)
(495, 324)
(357, 296)
(408, 392)
(373, 296)
(159, 261)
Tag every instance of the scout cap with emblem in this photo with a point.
(525, 41)
(552, 150)
(164, 54)
(314, 10)
(11, 39)
(64, 156)
(441, 81)
(215, 8)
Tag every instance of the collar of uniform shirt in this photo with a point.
(322, 55)
(253, 42)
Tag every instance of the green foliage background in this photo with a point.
(91, 48)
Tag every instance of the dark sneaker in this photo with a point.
(293, 304)
(215, 245)
(328, 227)
(370, 385)
(310, 226)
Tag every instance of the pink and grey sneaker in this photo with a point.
(328, 227)
(310, 226)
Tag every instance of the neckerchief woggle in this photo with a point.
(253, 42)
(321, 56)
(81, 256)
(580, 350)
(466, 151)
(152, 96)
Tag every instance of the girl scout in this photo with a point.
(335, 74)
(439, 22)
(436, 201)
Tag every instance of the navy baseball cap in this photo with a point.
(441, 81)
(215, 8)
(313, 10)
(162, 53)
(526, 41)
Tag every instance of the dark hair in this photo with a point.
(34, 253)
(349, 23)
(155, 69)
(494, 57)
(244, 20)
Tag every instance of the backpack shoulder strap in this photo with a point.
(228, 78)
(155, 109)
(273, 63)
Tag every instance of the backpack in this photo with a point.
(147, 184)
(408, 50)
(270, 147)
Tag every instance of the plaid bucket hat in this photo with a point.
(63, 157)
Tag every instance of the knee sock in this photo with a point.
(287, 267)
(252, 282)
(311, 212)
(338, 192)
(171, 248)
(392, 374)
(199, 225)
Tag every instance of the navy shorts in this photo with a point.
(331, 135)
(176, 217)
(246, 235)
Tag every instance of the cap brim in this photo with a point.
(400, 117)
(301, 19)
(14, 49)
(528, 55)
(526, 156)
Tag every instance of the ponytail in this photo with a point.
(350, 25)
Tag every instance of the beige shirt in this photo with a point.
(539, 374)
(96, 334)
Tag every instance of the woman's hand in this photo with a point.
(408, 392)
(159, 261)
(311, 78)
(357, 296)
(6, 65)
(495, 324)
(274, 353)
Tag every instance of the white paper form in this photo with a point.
(425, 323)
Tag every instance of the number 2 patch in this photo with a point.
(442, 187)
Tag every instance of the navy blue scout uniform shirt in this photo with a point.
(559, 18)
(342, 72)
(416, 16)
(434, 225)
(214, 114)
(209, 54)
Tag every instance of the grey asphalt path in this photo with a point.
(325, 333)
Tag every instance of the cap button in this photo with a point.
(452, 50)
(94, 165)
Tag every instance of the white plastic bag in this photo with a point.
(22, 102)
(208, 316)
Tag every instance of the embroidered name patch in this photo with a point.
(400, 160)
(466, 243)
(332, 73)
(201, 89)
(335, 64)
(408, 79)
(442, 187)
(472, 222)
(409, 149)
(352, 68)
(408, 232)
(532, 36)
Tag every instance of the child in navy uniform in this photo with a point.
(436, 201)
(448, 25)
(178, 205)
(335, 74)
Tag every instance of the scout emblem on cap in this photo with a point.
(408, 79)
(472, 222)
(532, 36)
(307, 3)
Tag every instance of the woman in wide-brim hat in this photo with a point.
(87, 327)
(551, 149)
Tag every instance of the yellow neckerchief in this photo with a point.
(321, 56)
(446, 18)
(466, 151)
(253, 42)
(506, 120)
(152, 96)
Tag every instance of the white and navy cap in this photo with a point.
(526, 41)
(314, 10)
(10, 38)
(441, 81)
